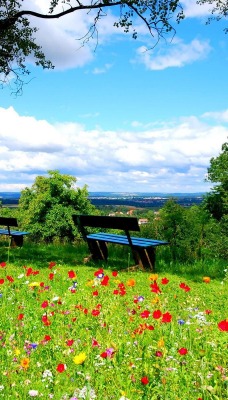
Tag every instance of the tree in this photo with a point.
(18, 39)
(47, 207)
(217, 200)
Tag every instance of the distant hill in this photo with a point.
(142, 200)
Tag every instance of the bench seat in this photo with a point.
(123, 239)
(12, 233)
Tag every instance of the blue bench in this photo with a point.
(15, 235)
(143, 250)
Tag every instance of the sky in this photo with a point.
(115, 116)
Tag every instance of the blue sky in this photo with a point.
(119, 118)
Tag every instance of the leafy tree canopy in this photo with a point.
(217, 201)
(18, 38)
(47, 207)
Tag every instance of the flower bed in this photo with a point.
(78, 334)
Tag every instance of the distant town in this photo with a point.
(113, 199)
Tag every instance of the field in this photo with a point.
(70, 331)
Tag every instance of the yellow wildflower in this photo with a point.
(161, 343)
(17, 352)
(34, 284)
(153, 277)
(80, 358)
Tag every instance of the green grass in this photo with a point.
(49, 316)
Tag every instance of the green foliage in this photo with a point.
(217, 201)
(47, 207)
(17, 43)
(192, 233)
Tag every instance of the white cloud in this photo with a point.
(168, 158)
(194, 10)
(177, 54)
(221, 116)
(102, 70)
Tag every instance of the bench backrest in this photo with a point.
(8, 222)
(94, 221)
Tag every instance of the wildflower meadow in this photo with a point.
(87, 333)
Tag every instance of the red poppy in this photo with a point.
(71, 274)
(164, 281)
(144, 380)
(182, 351)
(223, 325)
(3, 264)
(51, 276)
(35, 272)
(47, 338)
(44, 304)
(145, 314)
(29, 271)
(158, 354)
(95, 343)
(150, 327)
(157, 314)
(70, 342)
(85, 311)
(51, 264)
(10, 278)
(167, 317)
(95, 293)
(115, 291)
(98, 272)
(104, 354)
(1, 281)
(45, 320)
(185, 287)
(155, 288)
(95, 312)
(20, 316)
(105, 280)
(208, 312)
(114, 273)
(61, 368)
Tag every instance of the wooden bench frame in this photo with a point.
(143, 250)
(15, 235)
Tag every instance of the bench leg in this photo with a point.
(16, 241)
(145, 257)
(98, 250)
